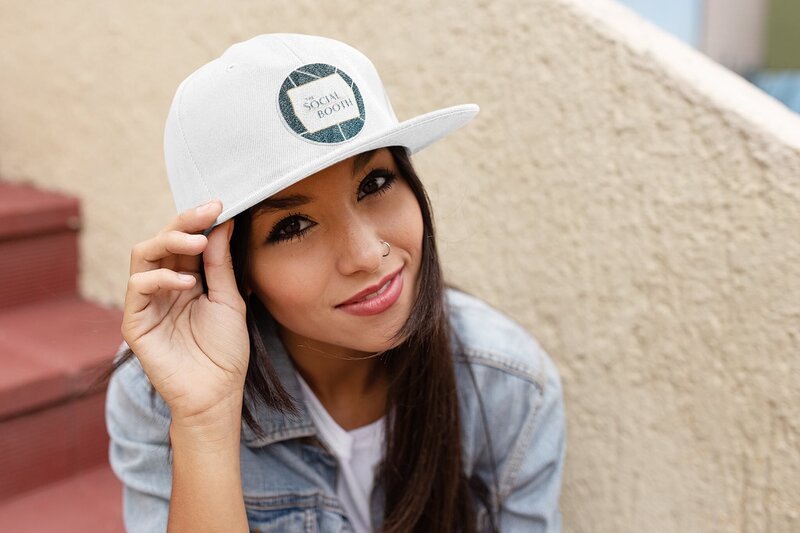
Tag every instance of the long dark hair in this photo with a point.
(422, 473)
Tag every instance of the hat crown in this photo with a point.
(226, 122)
(270, 111)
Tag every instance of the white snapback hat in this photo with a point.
(277, 108)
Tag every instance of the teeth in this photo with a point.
(377, 293)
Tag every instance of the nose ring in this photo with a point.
(388, 248)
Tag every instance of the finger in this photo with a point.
(143, 286)
(196, 219)
(219, 267)
(148, 254)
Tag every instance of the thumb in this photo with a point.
(219, 267)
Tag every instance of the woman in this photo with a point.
(312, 371)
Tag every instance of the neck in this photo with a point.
(352, 385)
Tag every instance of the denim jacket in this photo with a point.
(289, 477)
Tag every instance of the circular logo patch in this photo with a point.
(322, 104)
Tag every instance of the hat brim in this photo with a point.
(414, 134)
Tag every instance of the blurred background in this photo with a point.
(630, 192)
(759, 39)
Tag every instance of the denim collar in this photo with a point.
(279, 427)
(276, 425)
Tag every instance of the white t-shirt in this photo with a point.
(358, 452)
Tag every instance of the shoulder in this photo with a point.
(131, 402)
(138, 428)
(509, 388)
(489, 338)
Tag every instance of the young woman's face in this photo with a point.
(307, 259)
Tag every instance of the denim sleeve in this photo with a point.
(530, 480)
(138, 450)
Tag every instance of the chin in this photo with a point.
(368, 347)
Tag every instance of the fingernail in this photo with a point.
(185, 277)
(207, 207)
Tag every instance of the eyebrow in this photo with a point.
(361, 160)
(273, 204)
(279, 204)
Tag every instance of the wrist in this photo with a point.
(211, 430)
(214, 438)
(214, 410)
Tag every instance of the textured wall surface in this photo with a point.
(634, 205)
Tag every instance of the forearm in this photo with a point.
(206, 480)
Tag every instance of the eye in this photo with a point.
(291, 227)
(379, 181)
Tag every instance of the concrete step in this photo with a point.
(87, 502)
(38, 244)
(50, 352)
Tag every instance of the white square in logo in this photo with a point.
(322, 103)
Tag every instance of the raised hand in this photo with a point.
(193, 346)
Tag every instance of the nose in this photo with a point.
(359, 247)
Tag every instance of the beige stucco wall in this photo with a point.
(632, 204)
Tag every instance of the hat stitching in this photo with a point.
(291, 50)
(183, 134)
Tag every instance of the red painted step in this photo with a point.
(51, 444)
(26, 210)
(38, 244)
(50, 352)
(53, 441)
(88, 502)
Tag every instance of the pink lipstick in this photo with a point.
(375, 299)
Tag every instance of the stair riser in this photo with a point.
(27, 211)
(38, 267)
(90, 502)
(52, 444)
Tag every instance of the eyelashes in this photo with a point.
(295, 225)
(292, 223)
(381, 173)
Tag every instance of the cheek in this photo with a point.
(407, 226)
(286, 285)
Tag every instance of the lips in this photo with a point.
(371, 289)
(377, 298)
